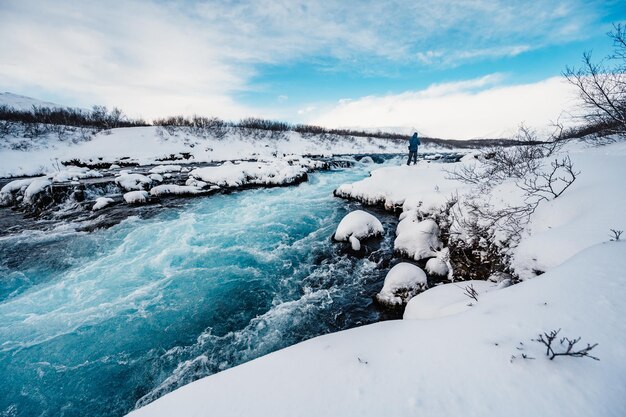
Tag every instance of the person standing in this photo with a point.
(414, 142)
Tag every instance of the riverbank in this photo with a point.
(572, 283)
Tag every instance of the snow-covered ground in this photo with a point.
(149, 145)
(458, 353)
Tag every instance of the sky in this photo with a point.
(453, 69)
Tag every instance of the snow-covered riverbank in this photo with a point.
(481, 359)
(21, 156)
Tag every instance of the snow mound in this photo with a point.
(136, 197)
(132, 182)
(173, 189)
(258, 173)
(101, 202)
(417, 239)
(162, 169)
(358, 225)
(445, 300)
(402, 283)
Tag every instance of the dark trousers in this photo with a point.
(412, 154)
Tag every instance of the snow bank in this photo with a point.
(358, 225)
(417, 239)
(101, 202)
(173, 189)
(136, 197)
(402, 282)
(148, 145)
(423, 187)
(446, 300)
(130, 182)
(466, 364)
(276, 172)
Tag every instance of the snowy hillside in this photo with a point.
(150, 145)
(458, 352)
(19, 102)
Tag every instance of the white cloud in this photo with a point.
(154, 58)
(459, 110)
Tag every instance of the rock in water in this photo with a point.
(402, 283)
(359, 225)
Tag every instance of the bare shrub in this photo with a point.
(566, 345)
(602, 86)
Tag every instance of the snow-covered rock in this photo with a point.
(195, 183)
(162, 169)
(417, 239)
(136, 197)
(402, 283)
(366, 160)
(425, 188)
(358, 225)
(132, 182)
(74, 173)
(446, 299)
(35, 188)
(439, 265)
(277, 172)
(156, 177)
(173, 189)
(101, 202)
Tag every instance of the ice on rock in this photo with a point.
(366, 160)
(358, 225)
(417, 239)
(133, 182)
(445, 300)
(162, 169)
(101, 202)
(402, 283)
(136, 197)
(355, 243)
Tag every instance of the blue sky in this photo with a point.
(344, 63)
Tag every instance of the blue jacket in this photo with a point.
(414, 142)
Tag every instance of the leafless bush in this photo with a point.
(616, 235)
(548, 339)
(471, 292)
(602, 86)
(551, 183)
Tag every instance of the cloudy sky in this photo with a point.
(447, 68)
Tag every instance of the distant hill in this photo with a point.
(24, 103)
